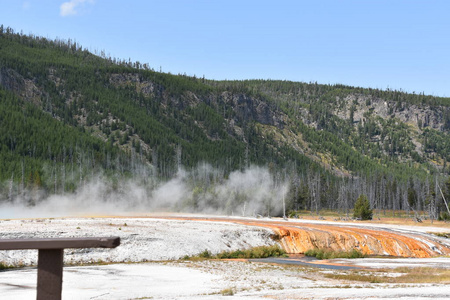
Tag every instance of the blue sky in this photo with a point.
(397, 44)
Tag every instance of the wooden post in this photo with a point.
(50, 272)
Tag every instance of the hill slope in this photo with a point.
(88, 112)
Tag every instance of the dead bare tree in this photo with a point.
(443, 198)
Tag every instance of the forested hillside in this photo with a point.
(67, 115)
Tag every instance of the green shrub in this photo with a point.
(444, 216)
(4, 266)
(441, 234)
(330, 254)
(205, 254)
(256, 252)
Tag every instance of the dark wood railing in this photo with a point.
(50, 259)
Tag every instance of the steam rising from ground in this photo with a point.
(204, 190)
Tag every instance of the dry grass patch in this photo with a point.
(380, 217)
(422, 275)
(405, 275)
(441, 234)
(227, 292)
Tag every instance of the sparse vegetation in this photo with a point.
(444, 216)
(5, 266)
(330, 254)
(441, 234)
(227, 292)
(256, 252)
(408, 275)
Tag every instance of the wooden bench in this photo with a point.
(50, 258)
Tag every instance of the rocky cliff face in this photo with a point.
(245, 108)
(419, 116)
(123, 79)
(248, 108)
(15, 82)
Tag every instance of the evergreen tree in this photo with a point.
(362, 208)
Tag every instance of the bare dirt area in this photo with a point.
(150, 264)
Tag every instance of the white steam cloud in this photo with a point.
(204, 190)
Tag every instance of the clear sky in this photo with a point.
(396, 44)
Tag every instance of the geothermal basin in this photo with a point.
(153, 247)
